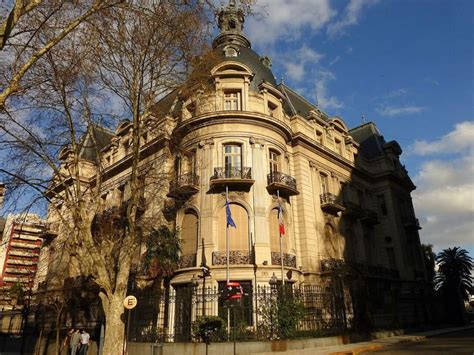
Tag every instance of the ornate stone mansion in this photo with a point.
(344, 194)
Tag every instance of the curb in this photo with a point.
(401, 340)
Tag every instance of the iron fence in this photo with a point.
(263, 312)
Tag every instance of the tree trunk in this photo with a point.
(115, 328)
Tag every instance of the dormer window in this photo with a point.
(232, 100)
(272, 109)
(319, 137)
(231, 51)
(338, 146)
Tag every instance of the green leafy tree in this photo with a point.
(161, 259)
(454, 280)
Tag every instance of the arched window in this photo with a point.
(275, 234)
(189, 233)
(238, 237)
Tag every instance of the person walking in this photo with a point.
(75, 340)
(67, 340)
(85, 338)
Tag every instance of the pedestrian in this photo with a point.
(85, 337)
(75, 342)
(67, 340)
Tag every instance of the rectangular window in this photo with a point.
(392, 262)
(382, 205)
(338, 146)
(324, 183)
(191, 162)
(319, 137)
(232, 100)
(232, 158)
(274, 161)
(361, 197)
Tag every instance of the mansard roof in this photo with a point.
(370, 140)
(94, 140)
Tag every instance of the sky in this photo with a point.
(406, 65)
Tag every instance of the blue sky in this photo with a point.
(407, 65)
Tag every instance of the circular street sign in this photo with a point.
(130, 302)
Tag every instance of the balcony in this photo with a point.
(360, 269)
(184, 186)
(236, 257)
(370, 217)
(330, 203)
(411, 223)
(288, 259)
(235, 178)
(285, 184)
(353, 210)
(188, 260)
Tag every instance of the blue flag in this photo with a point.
(230, 221)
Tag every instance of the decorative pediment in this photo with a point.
(232, 69)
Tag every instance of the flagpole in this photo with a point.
(227, 257)
(279, 232)
(227, 237)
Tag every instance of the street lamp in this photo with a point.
(273, 281)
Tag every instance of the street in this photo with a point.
(451, 343)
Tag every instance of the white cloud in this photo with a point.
(295, 65)
(286, 20)
(399, 110)
(460, 139)
(444, 200)
(334, 61)
(325, 100)
(351, 16)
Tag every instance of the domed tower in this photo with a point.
(231, 24)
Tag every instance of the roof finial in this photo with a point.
(316, 96)
(363, 119)
(230, 21)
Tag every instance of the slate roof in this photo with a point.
(95, 134)
(370, 140)
(251, 59)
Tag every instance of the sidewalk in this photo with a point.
(357, 348)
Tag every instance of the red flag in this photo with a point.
(281, 225)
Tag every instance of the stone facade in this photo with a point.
(344, 195)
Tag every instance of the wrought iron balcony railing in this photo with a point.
(184, 185)
(411, 223)
(370, 271)
(277, 180)
(236, 257)
(188, 260)
(238, 178)
(288, 259)
(370, 216)
(232, 173)
(331, 203)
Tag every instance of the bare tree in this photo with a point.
(57, 134)
(30, 29)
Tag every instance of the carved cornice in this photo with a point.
(243, 117)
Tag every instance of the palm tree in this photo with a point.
(161, 259)
(454, 279)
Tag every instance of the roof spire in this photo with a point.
(230, 21)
